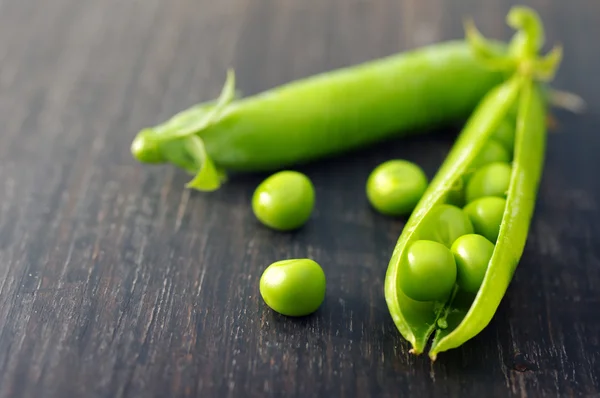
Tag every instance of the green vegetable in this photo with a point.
(505, 134)
(456, 195)
(491, 180)
(428, 271)
(284, 201)
(492, 152)
(486, 216)
(472, 254)
(320, 116)
(394, 187)
(444, 224)
(293, 287)
(455, 320)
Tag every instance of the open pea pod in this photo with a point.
(461, 313)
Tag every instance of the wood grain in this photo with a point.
(115, 281)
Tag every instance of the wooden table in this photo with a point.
(115, 281)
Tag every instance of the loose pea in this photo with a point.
(492, 152)
(472, 254)
(395, 187)
(444, 224)
(428, 271)
(284, 201)
(505, 134)
(486, 216)
(491, 180)
(293, 287)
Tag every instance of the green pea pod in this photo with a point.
(460, 315)
(470, 318)
(322, 115)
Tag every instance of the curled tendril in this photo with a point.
(529, 38)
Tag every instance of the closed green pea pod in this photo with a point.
(323, 115)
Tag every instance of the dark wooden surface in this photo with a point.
(115, 281)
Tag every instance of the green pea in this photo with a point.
(444, 224)
(505, 134)
(491, 180)
(456, 195)
(428, 271)
(512, 114)
(293, 287)
(284, 201)
(395, 187)
(472, 254)
(492, 151)
(486, 216)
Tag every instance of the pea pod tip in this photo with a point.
(143, 150)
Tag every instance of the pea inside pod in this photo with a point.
(429, 271)
(444, 224)
(484, 266)
(492, 152)
(472, 254)
(491, 180)
(486, 216)
(505, 135)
